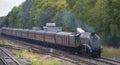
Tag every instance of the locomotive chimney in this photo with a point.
(93, 33)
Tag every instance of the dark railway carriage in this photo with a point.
(82, 43)
(3, 30)
(50, 37)
(22, 33)
(6, 31)
(31, 34)
(25, 33)
(18, 32)
(13, 32)
(39, 35)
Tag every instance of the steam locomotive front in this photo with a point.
(95, 45)
(91, 44)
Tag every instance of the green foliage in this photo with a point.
(1, 21)
(103, 16)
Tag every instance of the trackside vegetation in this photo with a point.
(5, 43)
(111, 52)
(36, 59)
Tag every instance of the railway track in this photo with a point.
(105, 60)
(78, 60)
(72, 59)
(6, 58)
(108, 61)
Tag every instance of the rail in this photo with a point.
(6, 58)
(107, 61)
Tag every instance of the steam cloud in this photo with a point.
(69, 19)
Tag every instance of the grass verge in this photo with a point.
(5, 43)
(36, 59)
(111, 52)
